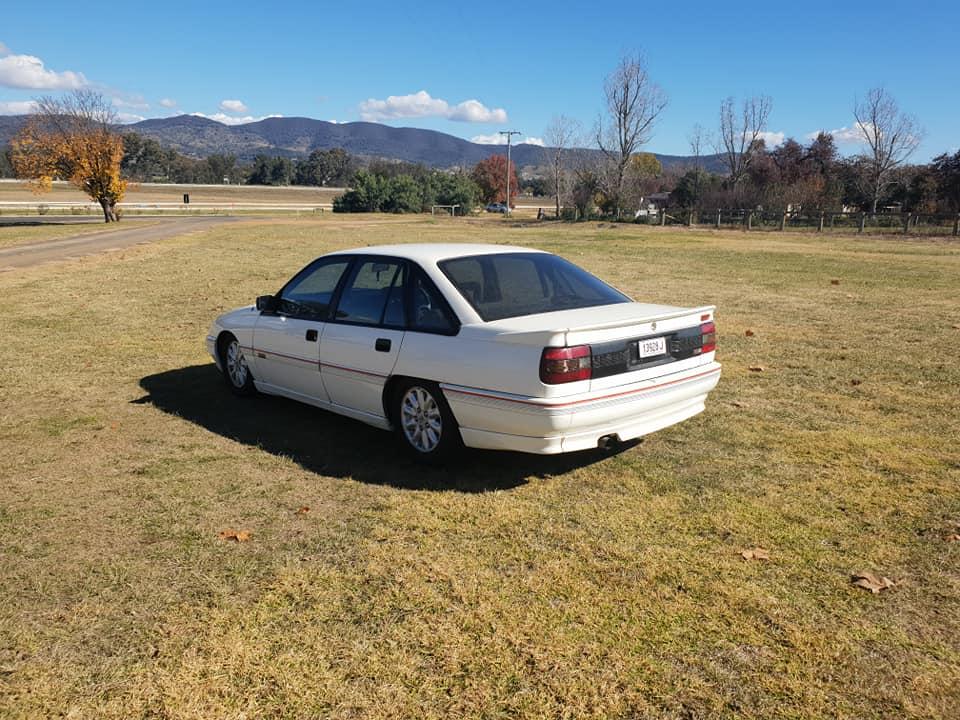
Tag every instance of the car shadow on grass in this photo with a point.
(328, 444)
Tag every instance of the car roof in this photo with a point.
(435, 252)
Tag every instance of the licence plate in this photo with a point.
(652, 346)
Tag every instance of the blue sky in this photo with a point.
(486, 68)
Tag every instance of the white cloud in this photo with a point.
(845, 135)
(168, 103)
(17, 107)
(28, 72)
(233, 106)
(476, 112)
(233, 119)
(4, 50)
(420, 104)
(772, 139)
(338, 122)
(498, 139)
(125, 118)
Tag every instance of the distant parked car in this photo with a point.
(481, 345)
(497, 207)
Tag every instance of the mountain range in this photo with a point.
(296, 137)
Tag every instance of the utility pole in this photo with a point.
(509, 134)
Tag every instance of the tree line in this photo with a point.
(790, 176)
(145, 160)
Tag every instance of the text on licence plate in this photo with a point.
(652, 346)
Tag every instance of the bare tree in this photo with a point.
(891, 135)
(740, 133)
(633, 104)
(697, 139)
(558, 139)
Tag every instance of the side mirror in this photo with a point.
(267, 303)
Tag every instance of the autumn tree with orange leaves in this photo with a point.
(491, 177)
(73, 138)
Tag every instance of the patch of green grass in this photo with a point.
(509, 586)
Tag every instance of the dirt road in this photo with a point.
(71, 248)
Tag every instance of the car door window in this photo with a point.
(308, 295)
(364, 297)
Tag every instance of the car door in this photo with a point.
(361, 341)
(286, 343)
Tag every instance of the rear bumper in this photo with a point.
(500, 421)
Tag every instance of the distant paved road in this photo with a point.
(70, 248)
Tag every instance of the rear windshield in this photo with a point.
(515, 284)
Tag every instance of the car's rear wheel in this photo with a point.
(235, 369)
(424, 423)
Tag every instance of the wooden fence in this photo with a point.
(905, 223)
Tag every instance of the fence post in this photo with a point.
(820, 224)
(690, 218)
(719, 213)
(863, 221)
(783, 221)
(906, 223)
(956, 225)
(750, 220)
(663, 217)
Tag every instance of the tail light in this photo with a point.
(566, 364)
(708, 337)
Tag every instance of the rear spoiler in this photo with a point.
(558, 336)
(639, 321)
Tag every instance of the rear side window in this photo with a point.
(515, 284)
(429, 312)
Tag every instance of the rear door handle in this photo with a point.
(382, 345)
(311, 335)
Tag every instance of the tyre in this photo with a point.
(235, 369)
(424, 423)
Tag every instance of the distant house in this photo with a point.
(653, 203)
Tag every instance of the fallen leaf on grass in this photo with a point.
(738, 404)
(869, 581)
(749, 333)
(303, 510)
(755, 554)
(756, 368)
(235, 535)
(952, 538)
(955, 327)
(855, 382)
(834, 282)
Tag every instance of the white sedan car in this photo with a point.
(486, 346)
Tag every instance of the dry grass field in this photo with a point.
(587, 586)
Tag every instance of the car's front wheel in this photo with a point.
(424, 423)
(235, 369)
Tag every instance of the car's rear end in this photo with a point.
(643, 376)
(582, 377)
(595, 384)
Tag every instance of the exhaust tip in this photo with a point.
(608, 442)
